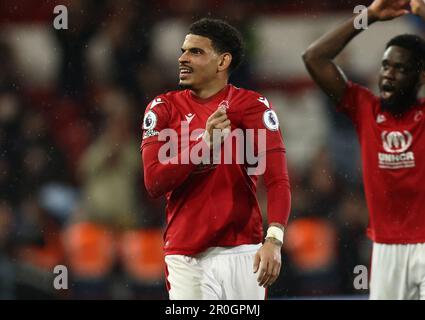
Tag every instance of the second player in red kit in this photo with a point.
(391, 131)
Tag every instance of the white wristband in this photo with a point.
(275, 232)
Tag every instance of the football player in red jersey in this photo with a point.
(391, 131)
(213, 241)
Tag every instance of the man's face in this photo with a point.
(198, 62)
(398, 80)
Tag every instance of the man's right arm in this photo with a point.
(161, 178)
(318, 58)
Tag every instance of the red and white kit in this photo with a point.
(214, 206)
(393, 157)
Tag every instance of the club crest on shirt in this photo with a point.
(270, 120)
(380, 118)
(224, 104)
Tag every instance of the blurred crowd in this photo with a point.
(71, 184)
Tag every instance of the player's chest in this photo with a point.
(195, 116)
(396, 143)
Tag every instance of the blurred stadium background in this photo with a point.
(71, 101)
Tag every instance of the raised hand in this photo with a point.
(387, 9)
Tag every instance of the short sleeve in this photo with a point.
(155, 119)
(354, 100)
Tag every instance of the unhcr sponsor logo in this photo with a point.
(396, 143)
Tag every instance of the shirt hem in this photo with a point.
(396, 241)
(195, 252)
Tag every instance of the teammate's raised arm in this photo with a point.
(318, 58)
(394, 222)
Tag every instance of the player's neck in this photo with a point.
(210, 90)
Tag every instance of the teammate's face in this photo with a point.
(198, 63)
(398, 80)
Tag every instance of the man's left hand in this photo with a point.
(267, 262)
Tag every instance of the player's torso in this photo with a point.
(222, 194)
(395, 144)
(393, 152)
(186, 125)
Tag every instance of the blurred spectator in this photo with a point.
(122, 45)
(303, 124)
(7, 66)
(38, 248)
(110, 167)
(238, 15)
(83, 17)
(343, 145)
(105, 232)
(311, 246)
(41, 160)
(10, 117)
(354, 247)
(322, 186)
(7, 274)
(310, 266)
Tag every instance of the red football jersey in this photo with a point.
(393, 156)
(214, 205)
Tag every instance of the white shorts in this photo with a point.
(398, 272)
(216, 274)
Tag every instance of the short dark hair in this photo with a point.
(224, 38)
(412, 43)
